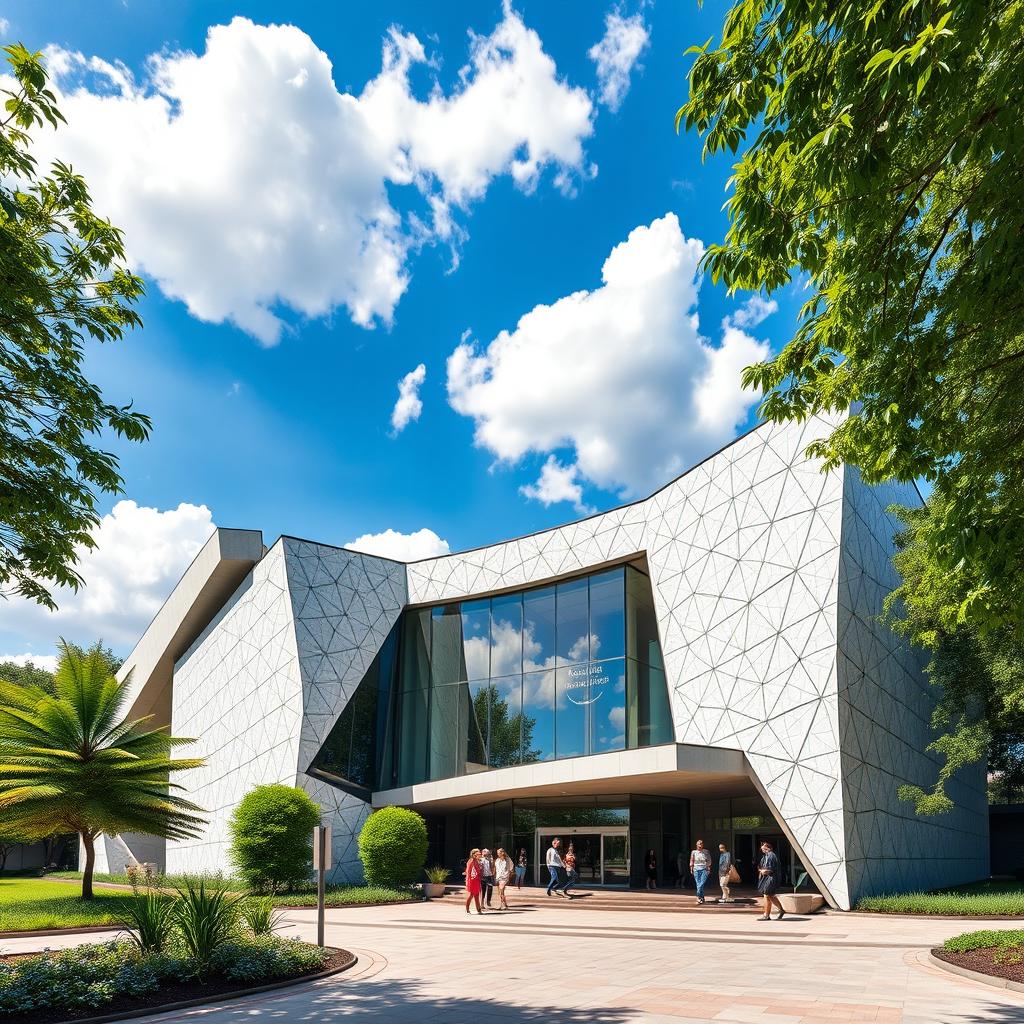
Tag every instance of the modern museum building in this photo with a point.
(707, 662)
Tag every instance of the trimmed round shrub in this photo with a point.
(272, 836)
(393, 846)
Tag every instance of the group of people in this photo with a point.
(769, 872)
(485, 873)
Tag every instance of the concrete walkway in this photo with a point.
(546, 961)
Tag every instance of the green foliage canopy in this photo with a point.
(69, 761)
(62, 280)
(881, 165)
(272, 836)
(393, 846)
(979, 675)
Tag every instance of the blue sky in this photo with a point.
(456, 200)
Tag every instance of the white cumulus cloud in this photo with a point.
(409, 405)
(621, 374)
(753, 312)
(140, 555)
(616, 54)
(249, 187)
(557, 483)
(44, 661)
(402, 547)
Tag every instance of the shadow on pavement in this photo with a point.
(399, 1001)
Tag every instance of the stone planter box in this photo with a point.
(433, 890)
(801, 902)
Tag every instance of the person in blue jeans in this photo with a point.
(555, 867)
(700, 867)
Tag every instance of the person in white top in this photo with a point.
(502, 874)
(555, 867)
(700, 866)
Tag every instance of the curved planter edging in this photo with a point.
(182, 1004)
(965, 972)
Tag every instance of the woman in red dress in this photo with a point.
(473, 874)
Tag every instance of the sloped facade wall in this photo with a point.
(343, 605)
(238, 690)
(885, 708)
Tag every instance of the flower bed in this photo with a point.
(116, 977)
(997, 953)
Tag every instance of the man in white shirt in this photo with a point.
(555, 867)
(700, 867)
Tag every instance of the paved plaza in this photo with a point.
(546, 960)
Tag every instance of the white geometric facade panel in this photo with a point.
(767, 577)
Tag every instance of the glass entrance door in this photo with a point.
(615, 860)
(602, 854)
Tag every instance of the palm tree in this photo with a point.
(69, 762)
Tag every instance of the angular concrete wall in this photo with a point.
(885, 707)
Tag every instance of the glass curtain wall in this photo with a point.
(559, 671)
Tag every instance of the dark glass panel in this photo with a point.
(447, 657)
(538, 629)
(474, 715)
(507, 635)
(572, 606)
(412, 737)
(446, 750)
(641, 621)
(608, 615)
(608, 710)
(476, 638)
(649, 717)
(506, 721)
(538, 716)
(572, 703)
(363, 705)
(415, 662)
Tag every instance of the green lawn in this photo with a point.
(336, 896)
(975, 900)
(31, 903)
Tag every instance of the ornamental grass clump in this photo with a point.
(205, 918)
(260, 915)
(149, 918)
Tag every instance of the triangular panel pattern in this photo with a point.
(238, 691)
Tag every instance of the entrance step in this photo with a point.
(633, 901)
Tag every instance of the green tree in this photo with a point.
(69, 761)
(63, 281)
(880, 165)
(272, 836)
(511, 734)
(393, 846)
(28, 674)
(978, 675)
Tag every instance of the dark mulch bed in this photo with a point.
(213, 989)
(984, 962)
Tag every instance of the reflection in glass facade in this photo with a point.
(559, 671)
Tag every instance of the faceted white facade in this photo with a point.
(768, 577)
